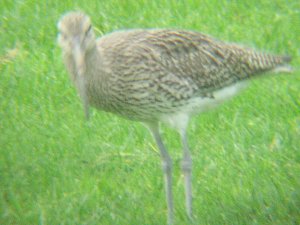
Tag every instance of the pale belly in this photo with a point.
(197, 105)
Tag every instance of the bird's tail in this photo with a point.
(264, 62)
(283, 65)
(254, 63)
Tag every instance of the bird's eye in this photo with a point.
(88, 30)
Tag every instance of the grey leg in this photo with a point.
(186, 167)
(167, 170)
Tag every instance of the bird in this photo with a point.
(159, 76)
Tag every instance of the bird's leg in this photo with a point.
(186, 167)
(167, 170)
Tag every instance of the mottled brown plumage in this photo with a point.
(157, 75)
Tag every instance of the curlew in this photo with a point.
(158, 76)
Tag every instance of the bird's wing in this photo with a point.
(193, 61)
(208, 64)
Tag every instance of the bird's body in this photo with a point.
(158, 75)
(145, 75)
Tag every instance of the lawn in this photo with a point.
(58, 168)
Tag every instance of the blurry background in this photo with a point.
(57, 168)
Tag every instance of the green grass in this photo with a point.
(56, 168)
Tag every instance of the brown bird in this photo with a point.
(158, 75)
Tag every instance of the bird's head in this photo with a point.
(76, 37)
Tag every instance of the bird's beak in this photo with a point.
(79, 57)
